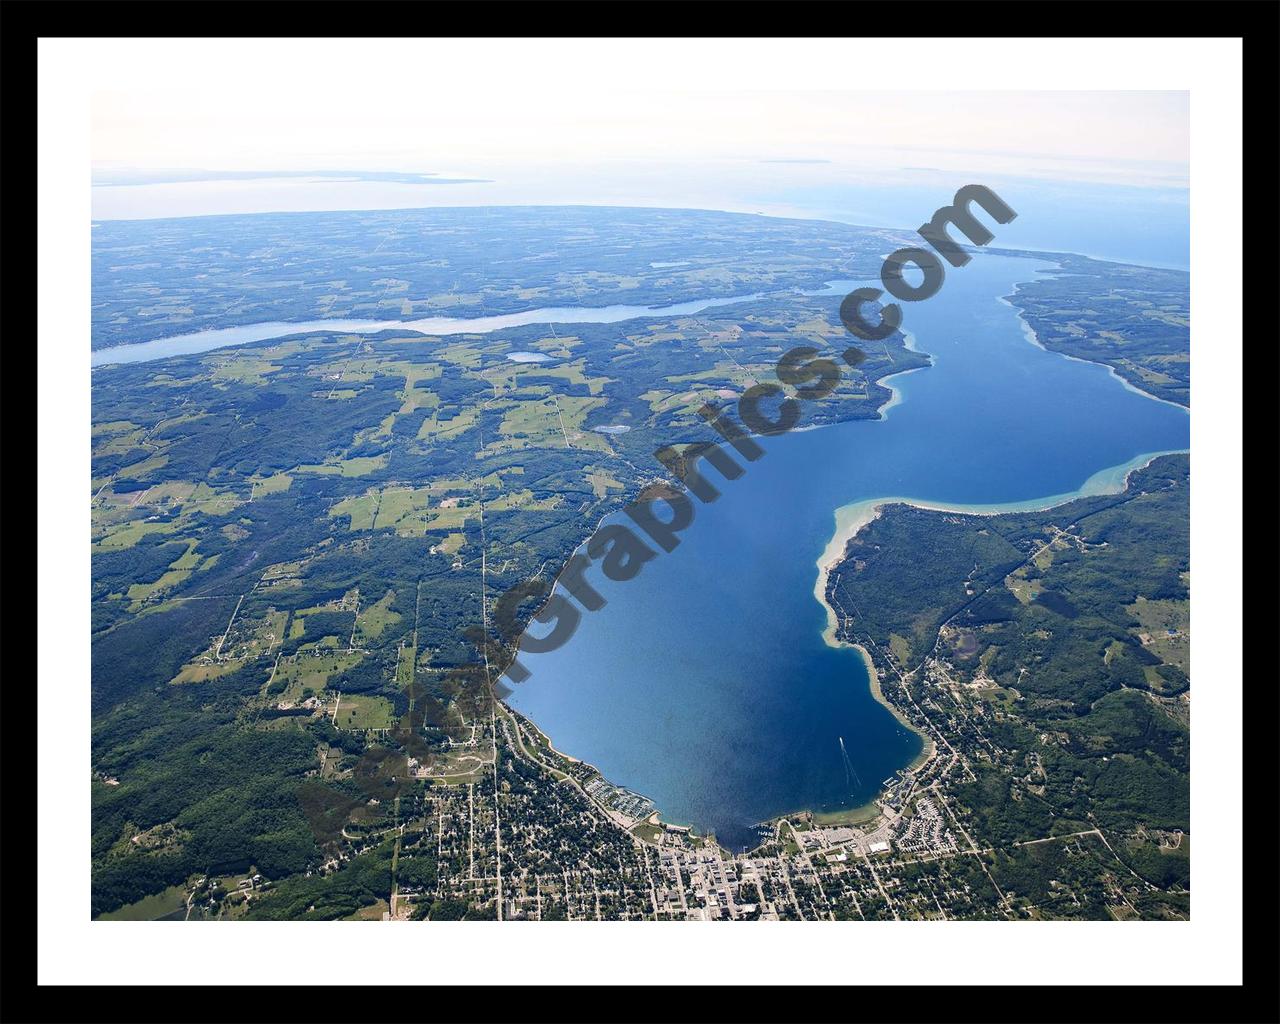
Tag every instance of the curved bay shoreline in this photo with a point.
(851, 518)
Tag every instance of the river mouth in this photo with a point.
(706, 682)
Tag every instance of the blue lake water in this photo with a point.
(225, 337)
(245, 334)
(705, 682)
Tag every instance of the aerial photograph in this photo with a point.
(639, 505)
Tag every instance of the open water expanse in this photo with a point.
(706, 684)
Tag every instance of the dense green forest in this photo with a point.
(157, 278)
(1063, 634)
(1137, 320)
(288, 536)
(297, 543)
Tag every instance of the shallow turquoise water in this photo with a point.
(705, 682)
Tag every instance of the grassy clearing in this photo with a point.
(179, 569)
(1164, 628)
(553, 421)
(242, 368)
(374, 912)
(1023, 589)
(126, 535)
(310, 672)
(569, 372)
(347, 467)
(274, 484)
(853, 816)
(404, 664)
(202, 672)
(900, 647)
(601, 483)
(151, 908)
(445, 428)
(401, 504)
(376, 618)
(361, 510)
(452, 544)
(361, 711)
(461, 354)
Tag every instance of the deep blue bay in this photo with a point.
(706, 684)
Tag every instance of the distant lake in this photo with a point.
(528, 357)
(205, 341)
(705, 682)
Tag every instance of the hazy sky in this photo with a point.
(470, 107)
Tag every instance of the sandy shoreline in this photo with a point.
(849, 520)
(852, 518)
(895, 393)
(928, 746)
(1029, 333)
